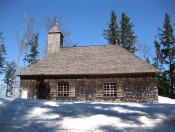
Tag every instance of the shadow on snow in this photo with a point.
(17, 114)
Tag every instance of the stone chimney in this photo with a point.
(55, 40)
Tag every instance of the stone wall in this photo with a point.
(135, 89)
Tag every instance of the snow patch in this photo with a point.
(47, 115)
(166, 100)
(51, 103)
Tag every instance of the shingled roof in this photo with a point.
(91, 60)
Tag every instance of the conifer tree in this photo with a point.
(163, 83)
(112, 34)
(165, 58)
(10, 71)
(158, 58)
(32, 57)
(127, 38)
(167, 42)
(2, 53)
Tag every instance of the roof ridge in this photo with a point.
(85, 46)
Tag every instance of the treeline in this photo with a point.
(9, 68)
(120, 33)
(165, 58)
(28, 51)
(164, 44)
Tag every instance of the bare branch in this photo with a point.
(49, 22)
(145, 50)
(27, 36)
(44, 50)
(23, 40)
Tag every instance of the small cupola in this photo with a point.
(55, 40)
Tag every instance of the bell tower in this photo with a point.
(55, 40)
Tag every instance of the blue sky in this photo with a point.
(85, 19)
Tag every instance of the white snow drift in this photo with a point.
(47, 115)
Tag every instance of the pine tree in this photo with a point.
(112, 34)
(9, 76)
(158, 58)
(166, 54)
(32, 57)
(127, 38)
(163, 83)
(2, 53)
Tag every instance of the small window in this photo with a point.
(109, 89)
(63, 89)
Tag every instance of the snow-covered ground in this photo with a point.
(47, 115)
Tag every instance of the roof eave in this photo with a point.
(85, 74)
